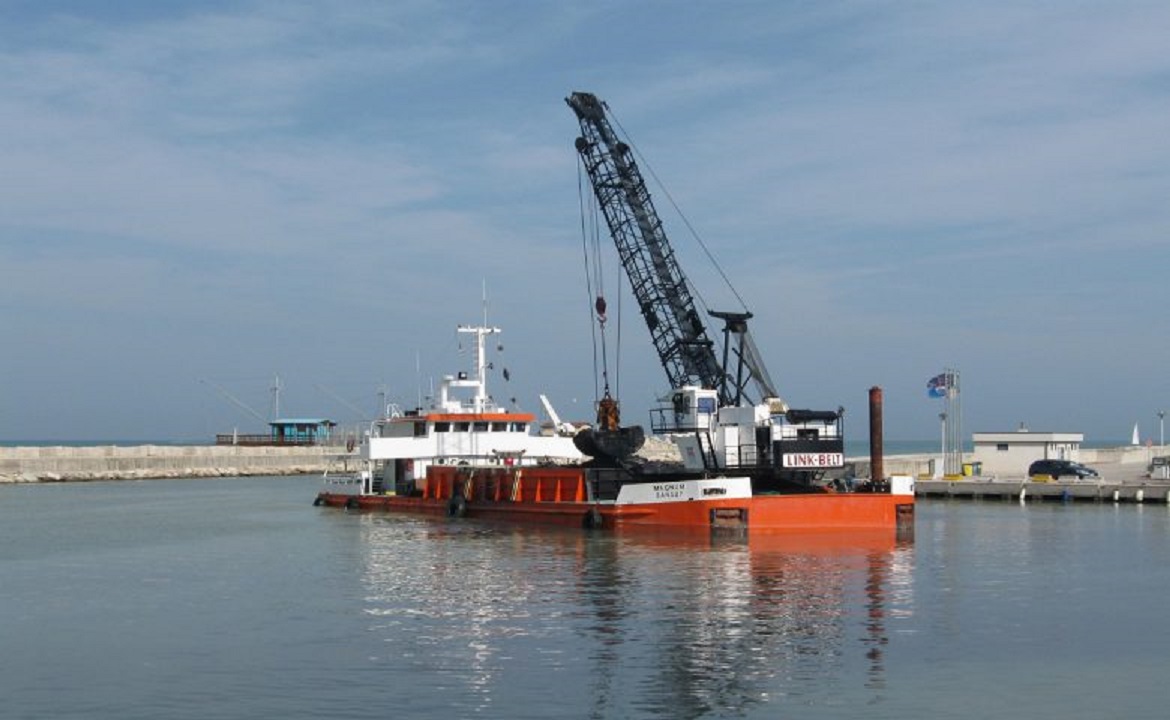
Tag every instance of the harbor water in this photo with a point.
(236, 598)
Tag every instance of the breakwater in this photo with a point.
(138, 462)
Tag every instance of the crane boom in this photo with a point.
(659, 285)
(661, 289)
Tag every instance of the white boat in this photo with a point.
(462, 426)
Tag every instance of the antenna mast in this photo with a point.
(275, 397)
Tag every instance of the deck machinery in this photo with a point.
(723, 412)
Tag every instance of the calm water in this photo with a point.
(236, 598)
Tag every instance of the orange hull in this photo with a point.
(558, 496)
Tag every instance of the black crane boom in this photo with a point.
(658, 283)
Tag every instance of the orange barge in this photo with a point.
(741, 469)
(613, 498)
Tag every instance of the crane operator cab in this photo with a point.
(768, 440)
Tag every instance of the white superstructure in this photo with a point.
(462, 425)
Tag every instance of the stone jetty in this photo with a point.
(29, 464)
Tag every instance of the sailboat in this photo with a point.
(1136, 438)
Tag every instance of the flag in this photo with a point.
(938, 386)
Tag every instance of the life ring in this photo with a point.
(592, 520)
(349, 445)
(457, 507)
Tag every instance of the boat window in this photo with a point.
(480, 426)
(443, 427)
(462, 427)
(519, 427)
(499, 427)
(420, 429)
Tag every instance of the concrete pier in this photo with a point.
(116, 462)
(1020, 490)
(1124, 478)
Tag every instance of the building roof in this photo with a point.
(302, 421)
(1027, 436)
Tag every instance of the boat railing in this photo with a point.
(667, 419)
(507, 485)
(487, 406)
(259, 440)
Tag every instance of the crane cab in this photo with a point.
(767, 439)
(686, 410)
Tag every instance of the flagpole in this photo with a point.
(946, 385)
(942, 454)
(955, 411)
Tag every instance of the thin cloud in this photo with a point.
(871, 173)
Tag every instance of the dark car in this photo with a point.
(1061, 468)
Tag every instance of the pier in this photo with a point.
(1125, 478)
(1027, 491)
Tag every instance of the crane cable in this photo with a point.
(706, 251)
(591, 251)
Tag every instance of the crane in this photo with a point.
(712, 413)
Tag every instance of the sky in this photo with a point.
(201, 197)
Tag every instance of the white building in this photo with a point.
(1010, 453)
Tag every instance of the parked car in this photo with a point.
(1061, 468)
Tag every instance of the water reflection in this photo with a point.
(628, 625)
(729, 625)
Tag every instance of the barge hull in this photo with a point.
(559, 496)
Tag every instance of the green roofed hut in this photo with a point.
(286, 431)
(301, 431)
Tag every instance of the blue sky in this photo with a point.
(206, 195)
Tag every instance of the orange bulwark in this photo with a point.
(563, 496)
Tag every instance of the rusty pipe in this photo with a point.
(877, 471)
